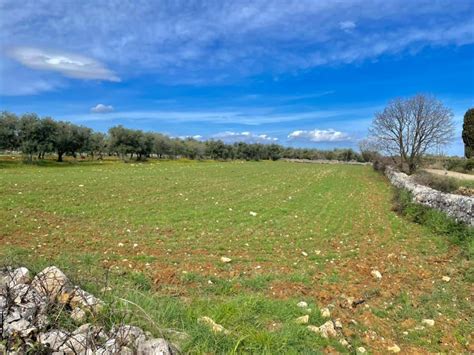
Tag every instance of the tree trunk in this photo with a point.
(60, 156)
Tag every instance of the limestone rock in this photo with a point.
(129, 335)
(19, 276)
(78, 314)
(54, 339)
(84, 299)
(225, 259)
(428, 322)
(325, 312)
(50, 282)
(156, 347)
(302, 319)
(376, 274)
(394, 348)
(302, 304)
(75, 344)
(326, 330)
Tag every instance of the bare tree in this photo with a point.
(408, 128)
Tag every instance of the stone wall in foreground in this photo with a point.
(461, 208)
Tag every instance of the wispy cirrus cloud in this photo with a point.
(68, 64)
(318, 135)
(208, 42)
(249, 116)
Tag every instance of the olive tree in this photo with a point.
(408, 128)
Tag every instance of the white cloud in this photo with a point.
(329, 135)
(250, 116)
(69, 65)
(347, 25)
(247, 137)
(207, 42)
(101, 108)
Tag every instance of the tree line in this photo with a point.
(37, 137)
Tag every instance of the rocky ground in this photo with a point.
(31, 309)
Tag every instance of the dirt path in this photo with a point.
(451, 174)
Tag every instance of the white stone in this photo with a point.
(394, 348)
(325, 312)
(50, 282)
(19, 276)
(302, 319)
(428, 322)
(54, 339)
(225, 259)
(75, 344)
(326, 330)
(302, 304)
(254, 214)
(129, 335)
(446, 278)
(361, 350)
(376, 274)
(78, 314)
(155, 347)
(304, 253)
(344, 342)
(81, 298)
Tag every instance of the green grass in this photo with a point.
(155, 232)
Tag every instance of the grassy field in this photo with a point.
(155, 234)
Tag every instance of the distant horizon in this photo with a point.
(304, 75)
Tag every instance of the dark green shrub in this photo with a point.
(469, 166)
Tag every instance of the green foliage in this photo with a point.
(33, 135)
(436, 221)
(468, 133)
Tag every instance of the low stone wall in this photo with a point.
(325, 161)
(461, 208)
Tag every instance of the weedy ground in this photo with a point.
(148, 238)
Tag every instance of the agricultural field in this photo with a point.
(149, 238)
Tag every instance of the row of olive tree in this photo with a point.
(35, 136)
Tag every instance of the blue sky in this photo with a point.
(300, 73)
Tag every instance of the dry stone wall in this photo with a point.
(461, 208)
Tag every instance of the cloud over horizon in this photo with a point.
(247, 137)
(317, 135)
